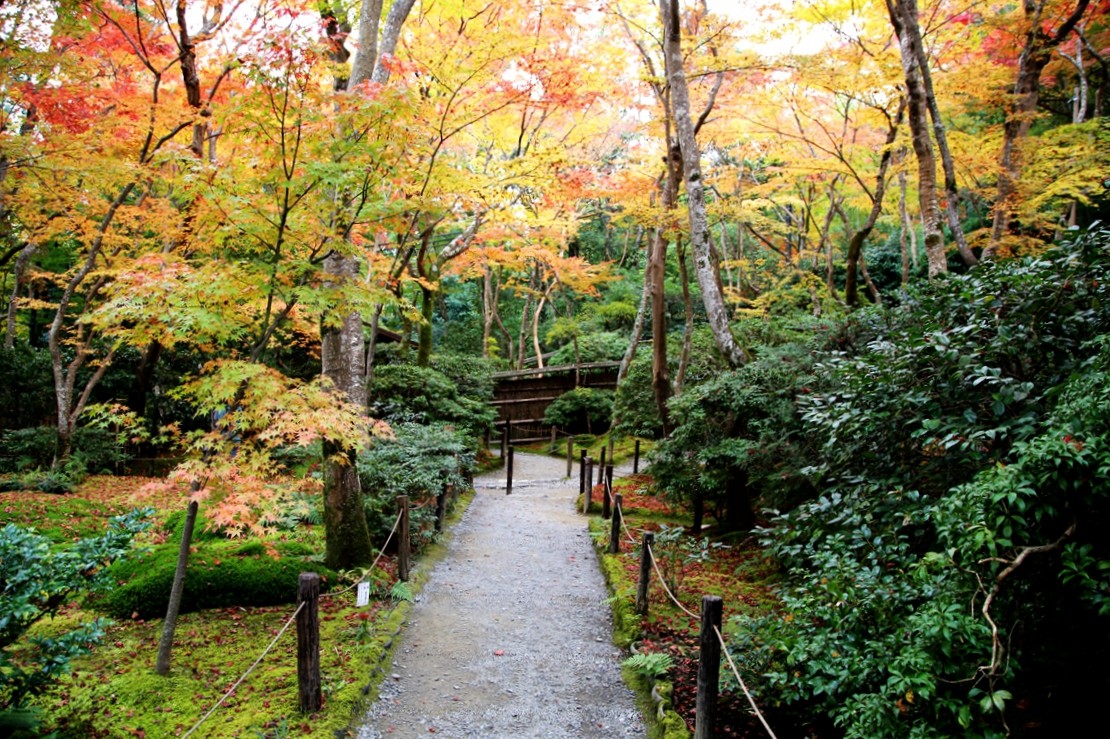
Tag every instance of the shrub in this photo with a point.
(420, 462)
(33, 448)
(602, 346)
(581, 410)
(220, 574)
(405, 392)
(35, 580)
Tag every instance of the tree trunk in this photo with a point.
(951, 189)
(688, 329)
(18, 271)
(1036, 53)
(715, 308)
(637, 325)
(347, 537)
(165, 644)
(660, 374)
(903, 16)
(427, 313)
(855, 246)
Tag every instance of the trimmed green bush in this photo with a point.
(582, 410)
(220, 575)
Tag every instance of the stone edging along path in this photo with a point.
(511, 635)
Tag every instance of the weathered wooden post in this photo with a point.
(308, 643)
(582, 473)
(588, 484)
(609, 476)
(403, 536)
(709, 667)
(636, 458)
(570, 456)
(615, 530)
(441, 509)
(606, 493)
(509, 473)
(601, 465)
(645, 573)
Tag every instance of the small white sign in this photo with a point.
(362, 597)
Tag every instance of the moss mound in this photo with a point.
(221, 574)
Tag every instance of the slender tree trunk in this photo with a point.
(855, 246)
(715, 308)
(169, 625)
(637, 324)
(951, 189)
(18, 271)
(903, 14)
(1035, 55)
(660, 373)
(487, 309)
(688, 329)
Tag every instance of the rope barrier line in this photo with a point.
(381, 552)
(720, 637)
(250, 669)
(751, 700)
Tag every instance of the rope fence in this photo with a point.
(617, 502)
(308, 597)
(288, 622)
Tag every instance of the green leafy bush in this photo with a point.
(408, 393)
(33, 448)
(220, 574)
(420, 462)
(601, 346)
(35, 580)
(581, 410)
(952, 578)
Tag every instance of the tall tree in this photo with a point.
(903, 16)
(1039, 42)
(700, 237)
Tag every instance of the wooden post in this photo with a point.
(570, 456)
(509, 473)
(606, 493)
(403, 539)
(441, 509)
(587, 483)
(582, 473)
(709, 667)
(554, 438)
(645, 573)
(609, 476)
(601, 466)
(636, 458)
(615, 531)
(308, 643)
(504, 439)
(611, 446)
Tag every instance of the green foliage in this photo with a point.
(652, 665)
(33, 448)
(35, 580)
(26, 387)
(408, 393)
(738, 434)
(221, 574)
(602, 346)
(952, 379)
(419, 461)
(581, 410)
(952, 572)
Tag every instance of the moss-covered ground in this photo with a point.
(114, 692)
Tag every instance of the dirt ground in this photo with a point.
(510, 636)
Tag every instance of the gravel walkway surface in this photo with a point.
(511, 636)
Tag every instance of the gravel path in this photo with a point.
(511, 636)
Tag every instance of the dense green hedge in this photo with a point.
(220, 574)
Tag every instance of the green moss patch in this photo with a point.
(220, 574)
